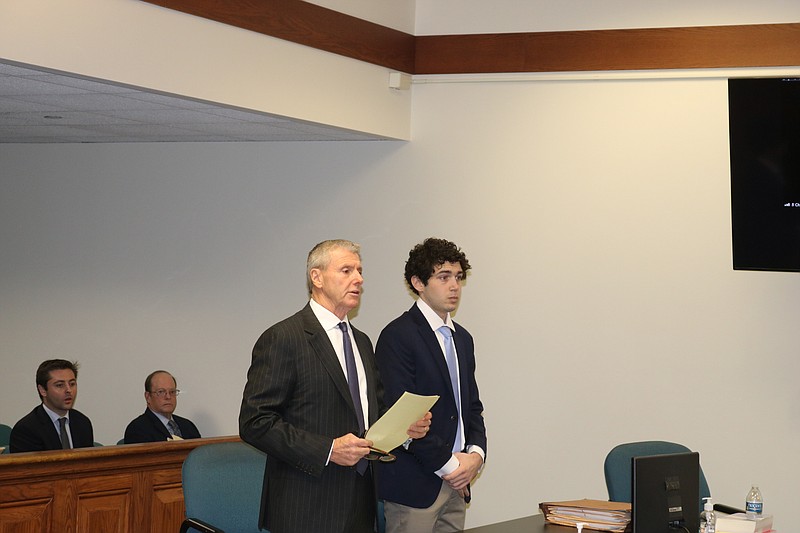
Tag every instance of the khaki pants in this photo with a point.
(446, 515)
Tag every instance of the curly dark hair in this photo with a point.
(432, 252)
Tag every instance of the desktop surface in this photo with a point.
(529, 524)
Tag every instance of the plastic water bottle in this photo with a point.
(754, 504)
(708, 520)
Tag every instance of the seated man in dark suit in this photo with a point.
(54, 424)
(158, 423)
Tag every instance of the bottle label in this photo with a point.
(754, 507)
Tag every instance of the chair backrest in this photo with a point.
(618, 468)
(222, 485)
(5, 434)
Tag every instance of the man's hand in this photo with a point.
(468, 468)
(420, 428)
(348, 449)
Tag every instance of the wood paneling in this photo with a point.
(27, 509)
(125, 489)
(639, 49)
(761, 45)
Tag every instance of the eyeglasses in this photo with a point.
(161, 393)
(379, 455)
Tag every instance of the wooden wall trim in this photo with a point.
(36, 466)
(763, 45)
(310, 25)
(757, 45)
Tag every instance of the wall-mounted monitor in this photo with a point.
(764, 125)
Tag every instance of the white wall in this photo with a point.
(603, 302)
(139, 44)
(397, 14)
(438, 17)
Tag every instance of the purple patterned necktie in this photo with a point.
(352, 383)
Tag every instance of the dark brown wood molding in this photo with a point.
(762, 45)
(308, 24)
(758, 45)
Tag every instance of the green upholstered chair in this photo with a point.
(222, 488)
(618, 470)
(5, 434)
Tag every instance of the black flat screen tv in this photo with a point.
(666, 493)
(764, 127)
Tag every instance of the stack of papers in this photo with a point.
(599, 515)
(740, 523)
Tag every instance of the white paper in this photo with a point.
(391, 430)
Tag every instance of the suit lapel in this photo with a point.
(49, 429)
(365, 352)
(434, 349)
(463, 372)
(321, 344)
(157, 423)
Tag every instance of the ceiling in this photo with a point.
(38, 106)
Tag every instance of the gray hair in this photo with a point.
(320, 256)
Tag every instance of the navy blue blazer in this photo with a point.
(410, 359)
(147, 427)
(35, 432)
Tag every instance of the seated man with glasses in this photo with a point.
(158, 423)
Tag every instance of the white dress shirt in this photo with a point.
(54, 417)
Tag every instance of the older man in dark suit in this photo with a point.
(311, 390)
(54, 424)
(425, 352)
(159, 422)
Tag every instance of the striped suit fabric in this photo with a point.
(295, 402)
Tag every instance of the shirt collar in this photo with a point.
(326, 318)
(434, 320)
(161, 417)
(52, 414)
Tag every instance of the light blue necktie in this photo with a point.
(452, 368)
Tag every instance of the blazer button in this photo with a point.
(453, 417)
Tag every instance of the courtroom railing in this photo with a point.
(133, 488)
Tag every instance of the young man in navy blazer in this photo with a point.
(42, 429)
(428, 487)
(159, 422)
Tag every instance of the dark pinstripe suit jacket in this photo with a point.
(295, 402)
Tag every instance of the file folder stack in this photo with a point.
(593, 514)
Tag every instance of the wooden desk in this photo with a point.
(132, 488)
(529, 524)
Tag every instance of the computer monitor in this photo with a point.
(666, 492)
